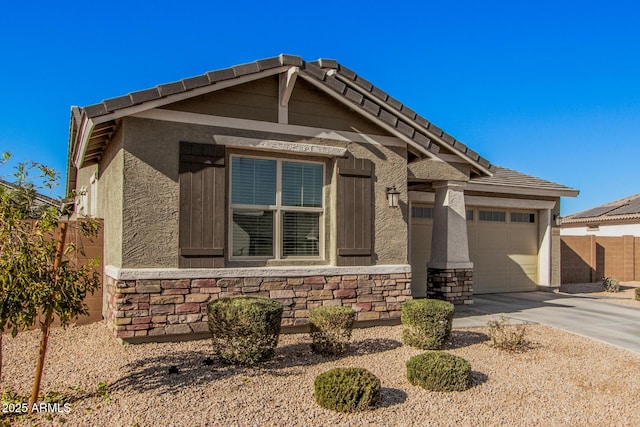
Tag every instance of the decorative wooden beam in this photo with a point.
(287, 81)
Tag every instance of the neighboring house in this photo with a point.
(602, 241)
(303, 182)
(617, 218)
(39, 200)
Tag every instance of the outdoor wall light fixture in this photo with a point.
(557, 220)
(393, 196)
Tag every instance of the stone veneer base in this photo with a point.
(454, 285)
(163, 308)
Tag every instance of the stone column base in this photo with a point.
(454, 285)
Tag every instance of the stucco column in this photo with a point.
(449, 271)
(449, 243)
(544, 248)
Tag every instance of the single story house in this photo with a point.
(303, 182)
(613, 219)
(40, 201)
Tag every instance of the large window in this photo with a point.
(277, 208)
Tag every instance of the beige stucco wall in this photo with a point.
(390, 224)
(83, 178)
(151, 191)
(555, 246)
(437, 170)
(150, 204)
(110, 199)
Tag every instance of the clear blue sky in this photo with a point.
(550, 89)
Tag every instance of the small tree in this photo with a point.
(37, 282)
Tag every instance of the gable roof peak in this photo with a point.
(327, 74)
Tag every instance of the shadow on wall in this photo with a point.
(601, 259)
(574, 267)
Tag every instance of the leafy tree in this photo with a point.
(37, 281)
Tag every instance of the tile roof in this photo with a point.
(623, 209)
(353, 88)
(509, 178)
(40, 199)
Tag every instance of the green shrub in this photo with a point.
(331, 329)
(347, 389)
(505, 336)
(426, 323)
(439, 371)
(637, 294)
(610, 284)
(244, 330)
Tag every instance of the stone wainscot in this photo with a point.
(159, 304)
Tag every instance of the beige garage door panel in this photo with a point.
(504, 254)
(491, 237)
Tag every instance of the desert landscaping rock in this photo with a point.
(562, 379)
(596, 290)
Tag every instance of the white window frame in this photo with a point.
(278, 210)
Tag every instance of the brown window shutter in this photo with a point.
(202, 205)
(355, 212)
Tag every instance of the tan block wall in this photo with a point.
(92, 248)
(590, 258)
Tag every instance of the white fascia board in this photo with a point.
(417, 125)
(503, 202)
(215, 273)
(525, 191)
(497, 202)
(86, 130)
(255, 125)
(369, 116)
(134, 109)
(280, 146)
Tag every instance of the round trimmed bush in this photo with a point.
(244, 330)
(347, 389)
(426, 323)
(439, 371)
(331, 329)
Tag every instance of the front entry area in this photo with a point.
(503, 246)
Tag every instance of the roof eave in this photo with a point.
(525, 191)
(89, 123)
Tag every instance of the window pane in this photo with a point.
(492, 216)
(252, 233)
(301, 184)
(300, 234)
(523, 217)
(469, 214)
(253, 181)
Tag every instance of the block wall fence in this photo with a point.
(587, 259)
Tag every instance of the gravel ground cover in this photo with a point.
(562, 379)
(596, 290)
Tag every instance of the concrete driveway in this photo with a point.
(611, 323)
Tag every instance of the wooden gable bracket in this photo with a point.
(287, 81)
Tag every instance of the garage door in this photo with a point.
(503, 246)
